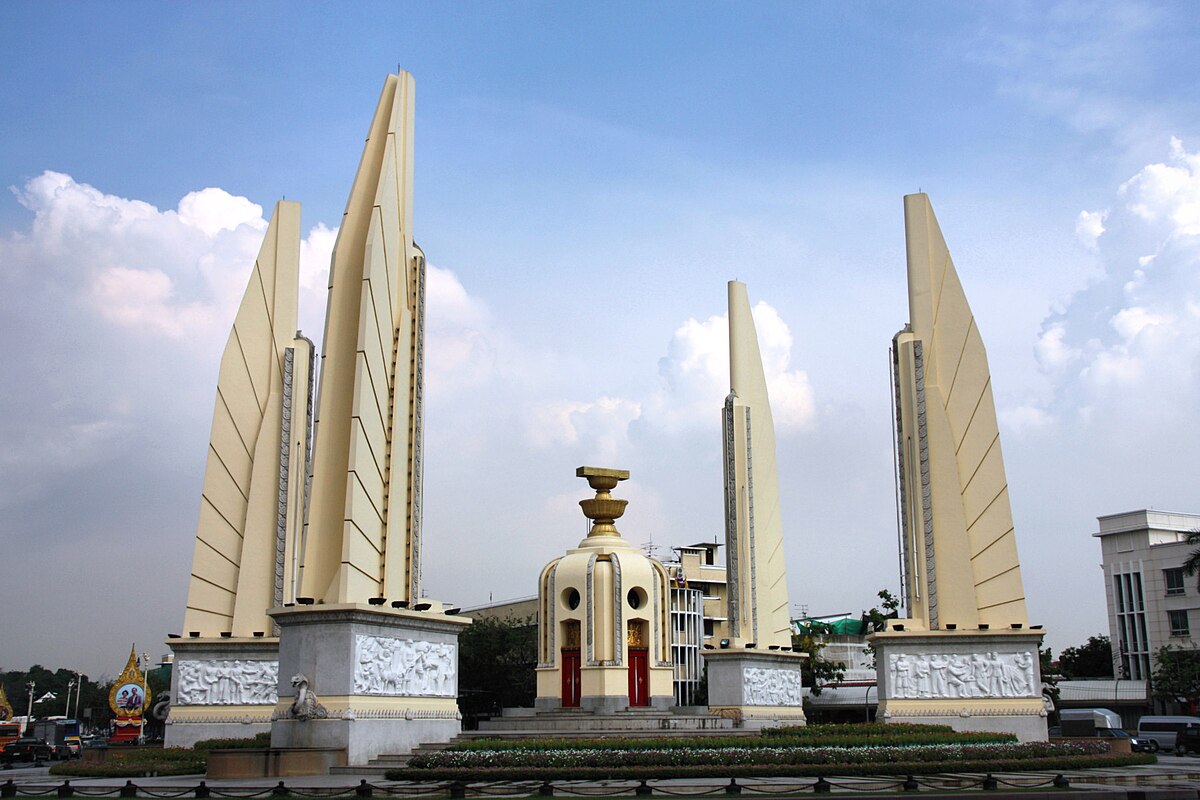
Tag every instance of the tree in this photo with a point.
(876, 618)
(1192, 565)
(1091, 660)
(496, 661)
(816, 670)
(1177, 675)
(49, 694)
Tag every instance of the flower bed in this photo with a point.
(830, 736)
(601, 760)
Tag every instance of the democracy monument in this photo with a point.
(305, 615)
(965, 656)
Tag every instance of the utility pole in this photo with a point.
(145, 681)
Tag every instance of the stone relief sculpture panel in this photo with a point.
(227, 683)
(946, 675)
(396, 667)
(771, 687)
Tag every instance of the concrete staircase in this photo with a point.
(647, 722)
(565, 724)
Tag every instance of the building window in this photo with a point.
(708, 627)
(1174, 580)
(1179, 623)
(1131, 625)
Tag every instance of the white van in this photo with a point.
(1162, 730)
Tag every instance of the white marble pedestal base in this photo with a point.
(221, 689)
(755, 688)
(379, 680)
(970, 680)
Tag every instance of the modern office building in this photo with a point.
(1151, 603)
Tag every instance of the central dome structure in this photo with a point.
(604, 628)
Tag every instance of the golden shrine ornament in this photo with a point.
(130, 695)
(6, 711)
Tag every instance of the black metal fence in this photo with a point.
(459, 789)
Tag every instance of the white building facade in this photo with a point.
(1151, 603)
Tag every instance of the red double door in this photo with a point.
(639, 677)
(570, 677)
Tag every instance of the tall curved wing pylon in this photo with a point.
(959, 543)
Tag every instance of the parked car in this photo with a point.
(28, 748)
(1187, 740)
(1136, 744)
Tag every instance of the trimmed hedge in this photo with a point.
(860, 749)
(865, 729)
(258, 741)
(836, 736)
(623, 772)
(137, 763)
(601, 754)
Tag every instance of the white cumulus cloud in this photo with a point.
(1089, 227)
(214, 210)
(1128, 343)
(695, 373)
(1168, 191)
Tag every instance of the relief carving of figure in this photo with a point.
(937, 676)
(921, 676)
(771, 687)
(980, 675)
(391, 666)
(227, 682)
(902, 675)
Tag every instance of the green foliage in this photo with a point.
(1192, 565)
(1177, 674)
(872, 735)
(862, 729)
(621, 772)
(137, 762)
(1091, 660)
(888, 608)
(816, 670)
(605, 763)
(496, 660)
(94, 696)
(256, 742)
(877, 616)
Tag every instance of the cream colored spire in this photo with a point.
(256, 456)
(960, 547)
(362, 539)
(758, 598)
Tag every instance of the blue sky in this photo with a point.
(588, 176)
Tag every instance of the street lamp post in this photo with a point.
(78, 691)
(145, 683)
(70, 686)
(29, 709)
